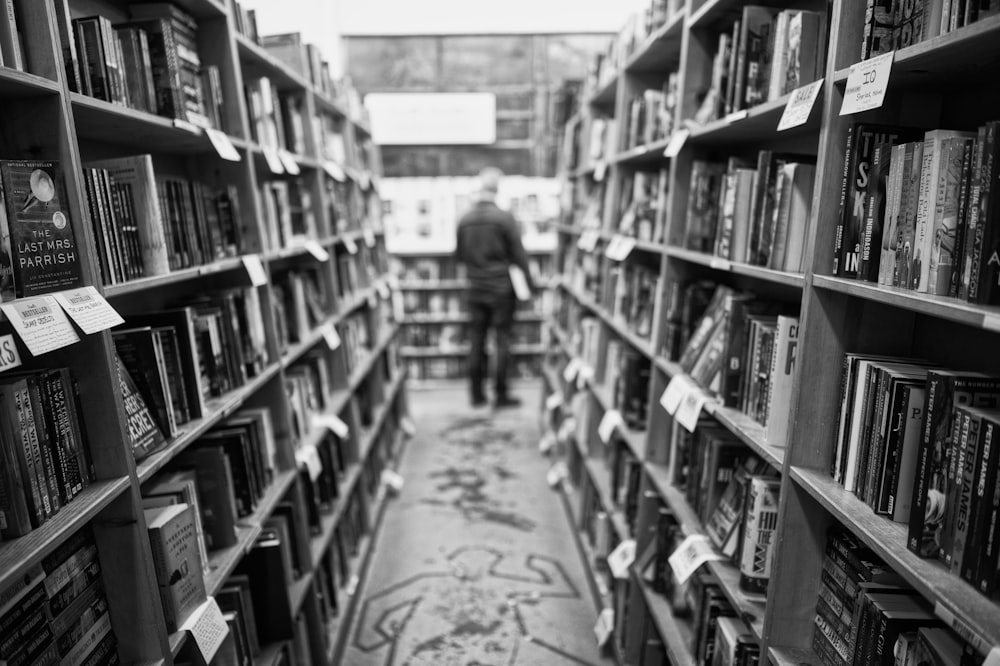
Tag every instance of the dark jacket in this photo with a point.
(488, 243)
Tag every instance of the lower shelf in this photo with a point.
(793, 657)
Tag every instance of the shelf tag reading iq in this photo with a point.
(799, 105)
(612, 419)
(308, 457)
(572, 369)
(288, 162)
(255, 270)
(866, 84)
(554, 401)
(331, 336)
(40, 323)
(333, 423)
(349, 244)
(10, 358)
(224, 148)
(621, 558)
(605, 626)
(693, 552)
(600, 170)
(318, 252)
(690, 408)
(208, 628)
(677, 141)
(273, 161)
(88, 309)
(369, 235)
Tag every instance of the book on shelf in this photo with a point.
(264, 567)
(890, 26)
(145, 436)
(176, 560)
(179, 488)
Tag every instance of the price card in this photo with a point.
(407, 426)
(720, 264)
(678, 387)
(693, 552)
(587, 240)
(677, 141)
(317, 251)
(556, 474)
(612, 419)
(993, 658)
(546, 443)
(600, 170)
(331, 336)
(611, 251)
(208, 628)
(333, 423)
(554, 401)
(40, 323)
(392, 480)
(349, 244)
(308, 457)
(605, 626)
(288, 162)
(334, 171)
(383, 290)
(224, 147)
(799, 105)
(88, 309)
(991, 322)
(689, 411)
(625, 247)
(736, 116)
(572, 369)
(255, 270)
(566, 430)
(369, 235)
(364, 180)
(273, 161)
(585, 375)
(621, 558)
(10, 358)
(866, 84)
(186, 126)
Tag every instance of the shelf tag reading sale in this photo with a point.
(866, 84)
(334, 171)
(605, 626)
(677, 141)
(288, 162)
(556, 474)
(333, 423)
(349, 244)
(331, 336)
(273, 161)
(255, 270)
(9, 356)
(689, 411)
(799, 105)
(369, 235)
(621, 558)
(554, 401)
(88, 309)
(318, 252)
(572, 369)
(612, 419)
(600, 170)
(693, 552)
(40, 323)
(208, 628)
(308, 457)
(224, 148)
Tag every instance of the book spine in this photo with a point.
(958, 248)
(977, 541)
(845, 188)
(961, 425)
(968, 466)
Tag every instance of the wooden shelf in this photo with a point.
(714, 12)
(269, 654)
(18, 555)
(435, 352)
(661, 51)
(257, 62)
(203, 9)
(888, 540)
(676, 634)
(606, 95)
(786, 656)
(620, 328)
(755, 125)
(794, 280)
(644, 155)
(15, 84)
(598, 589)
(172, 278)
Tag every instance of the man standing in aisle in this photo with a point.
(489, 244)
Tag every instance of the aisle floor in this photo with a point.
(475, 562)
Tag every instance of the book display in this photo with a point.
(771, 400)
(199, 377)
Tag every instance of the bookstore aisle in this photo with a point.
(475, 561)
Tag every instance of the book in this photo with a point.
(759, 526)
(781, 381)
(176, 560)
(216, 494)
(145, 435)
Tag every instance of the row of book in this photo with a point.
(627, 374)
(915, 444)
(919, 211)
(768, 53)
(630, 295)
(276, 121)
(150, 63)
(245, 20)
(752, 213)
(655, 15)
(289, 215)
(301, 302)
(651, 114)
(57, 613)
(891, 25)
(642, 205)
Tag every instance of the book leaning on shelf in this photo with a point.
(890, 26)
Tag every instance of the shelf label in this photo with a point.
(991, 322)
(334, 171)
(331, 336)
(288, 162)
(272, 160)
(369, 235)
(566, 429)
(689, 411)
(799, 105)
(224, 147)
(600, 170)
(678, 387)
(349, 243)
(40, 323)
(621, 558)
(10, 358)
(308, 457)
(585, 374)
(677, 141)
(611, 251)
(383, 290)
(572, 369)
(318, 252)
(208, 628)
(993, 658)
(693, 552)
(364, 180)
(866, 84)
(554, 401)
(186, 126)
(605, 626)
(392, 480)
(556, 474)
(720, 264)
(89, 310)
(736, 116)
(333, 423)
(255, 270)
(588, 240)
(546, 443)
(625, 246)
(612, 419)
(408, 427)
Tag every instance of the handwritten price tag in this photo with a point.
(317, 251)
(208, 628)
(273, 161)
(612, 419)
(621, 558)
(799, 106)
(333, 423)
(10, 358)
(693, 552)
(605, 626)
(288, 162)
(588, 240)
(334, 171)
(677, 141)
(88, 309)
(331, 336)
(625, 247)
(224, 147)
(255, 270)
(40, 323)
(308, 457)
(678, 387)
(689, 411)
(866, 84)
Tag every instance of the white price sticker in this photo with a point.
(554, 401)
(678, 387)
(318, 252)
(693, 552)
(208, 628)
(392, 480)
(556, 474)
(10, 358)
(333, 423)
(308, 457)
(866, 84)
(288, 162)
(600, 170)
(186, 126)
(572, 369)
(331, 336)
(40, 323)
(799, 105)
(546, 443)
(88, 309)
(335, 171)
(612, 419)
(677, 141)
(689, 411)
(369, 235)
(625, 247)
(605, 626)
(621, 558)
(383, 290)
(273, 161)
(255, 270)
(585, 375)
(349, 244)
(736, 116)
(224, 147)
(993, 658)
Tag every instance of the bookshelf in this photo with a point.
(312, 277)
(932, 85)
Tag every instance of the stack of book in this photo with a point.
(651, 115)
(58, 612)
(890, 26)
(751, 213)
(919, 210)
(643, 205)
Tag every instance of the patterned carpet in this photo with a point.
(475, 564)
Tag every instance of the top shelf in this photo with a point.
(257, 62)
(660, 50)
(607, 94)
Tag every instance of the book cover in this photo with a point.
(780, 397)
(214, 478)
(984, 280)
(173, 540)
(877, 195)
(703, 206)
(136, 347)
(179, 488)
(263, 566)
(944, 229)
(145, 436)
(759, 525)
(900, 501)
(903, 273)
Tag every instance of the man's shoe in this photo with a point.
(507, 401)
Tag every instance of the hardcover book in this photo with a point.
(173, 539)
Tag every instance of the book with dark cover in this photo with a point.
(871, 234)
(972, 539)
(245, 481)
(703, 206)
(173, 540)
(216, 494)
(984, 278)
(16, 504)
(13, 398)
(263, 566)
(235, 597)
(759, 525)
(144, 435)
(136, 347)
(45, 254)
(187, 372)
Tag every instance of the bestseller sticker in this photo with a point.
(866, 84)
(40, 323)
(89, 310)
